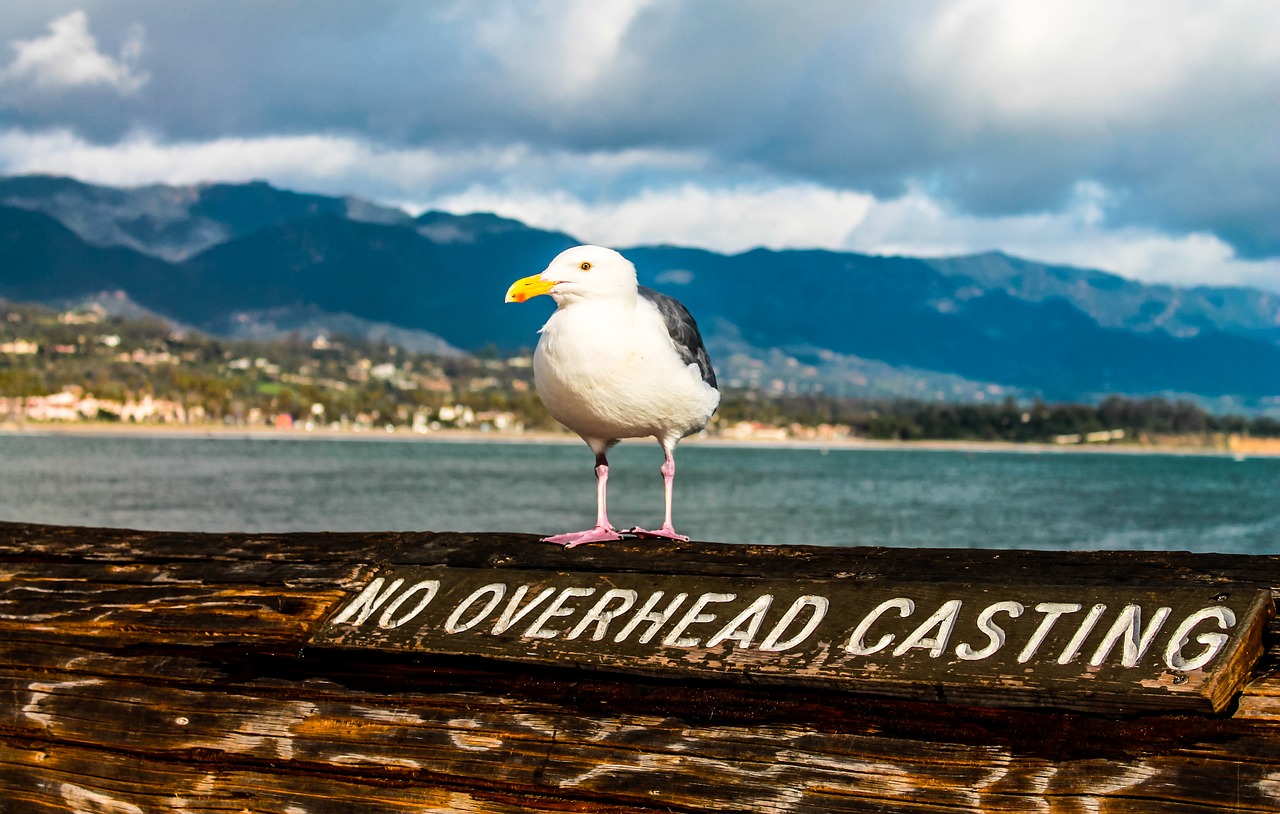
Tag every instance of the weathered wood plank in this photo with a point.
(1261, 698)
(64, 779)
(170, 674)
(672, 754)
(28, 541)
(191, 572)
(177, 613)
(519, 551)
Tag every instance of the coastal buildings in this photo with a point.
(71, 405)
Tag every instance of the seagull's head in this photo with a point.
(580, 273)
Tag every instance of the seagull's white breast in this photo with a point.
(608, 370)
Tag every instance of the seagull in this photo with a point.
(617, 360)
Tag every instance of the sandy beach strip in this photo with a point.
(1228, 447)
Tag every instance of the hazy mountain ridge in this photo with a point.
(1115, 302)
(176, 222)
(967, 327)
(310, 321)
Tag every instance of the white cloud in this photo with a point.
(1078, 235)
(728, 219)
(1091, 62)
(142, 159)
(559, 50)
(68, 57)
(330, 163)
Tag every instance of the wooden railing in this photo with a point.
(177, 672)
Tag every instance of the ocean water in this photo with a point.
(836, 496)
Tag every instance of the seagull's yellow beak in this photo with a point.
(527, 287)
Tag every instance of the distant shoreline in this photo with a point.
(1265, 448)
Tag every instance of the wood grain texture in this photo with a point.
(146, 672)
(642, 746)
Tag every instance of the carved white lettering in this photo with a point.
(995, 633)
(510, 617)
(857, 641)
(429, 587)
(774, 643)
(647, 614)
(453, 624)
(601, 614)
(694, 616)
(943, 620)
(1128, 627)
(557, 608)
(752, 616)
(1053, 611)
(1213, 642)
(885, 633)
(369, 600)
(1072, 649)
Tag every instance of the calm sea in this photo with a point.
(773, 495)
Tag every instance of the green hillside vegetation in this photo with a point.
(911, 420)
(336, 379)
(353, 382)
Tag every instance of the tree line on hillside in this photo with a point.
(909, 420)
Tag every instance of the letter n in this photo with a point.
(369, 600)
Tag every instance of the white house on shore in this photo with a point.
(72, 405)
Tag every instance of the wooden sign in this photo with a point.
(1113, 649)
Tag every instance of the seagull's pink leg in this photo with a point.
(667, 532)
(603, 531)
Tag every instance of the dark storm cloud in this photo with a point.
(997, 107)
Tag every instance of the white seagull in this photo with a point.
(617, 360)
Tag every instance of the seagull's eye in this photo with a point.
(585, 267)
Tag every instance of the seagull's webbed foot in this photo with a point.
(664, 533)
(599, 534)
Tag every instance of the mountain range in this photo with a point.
(253, 260)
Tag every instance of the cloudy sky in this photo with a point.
(1137, 136)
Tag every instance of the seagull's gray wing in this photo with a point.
(683, 331)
